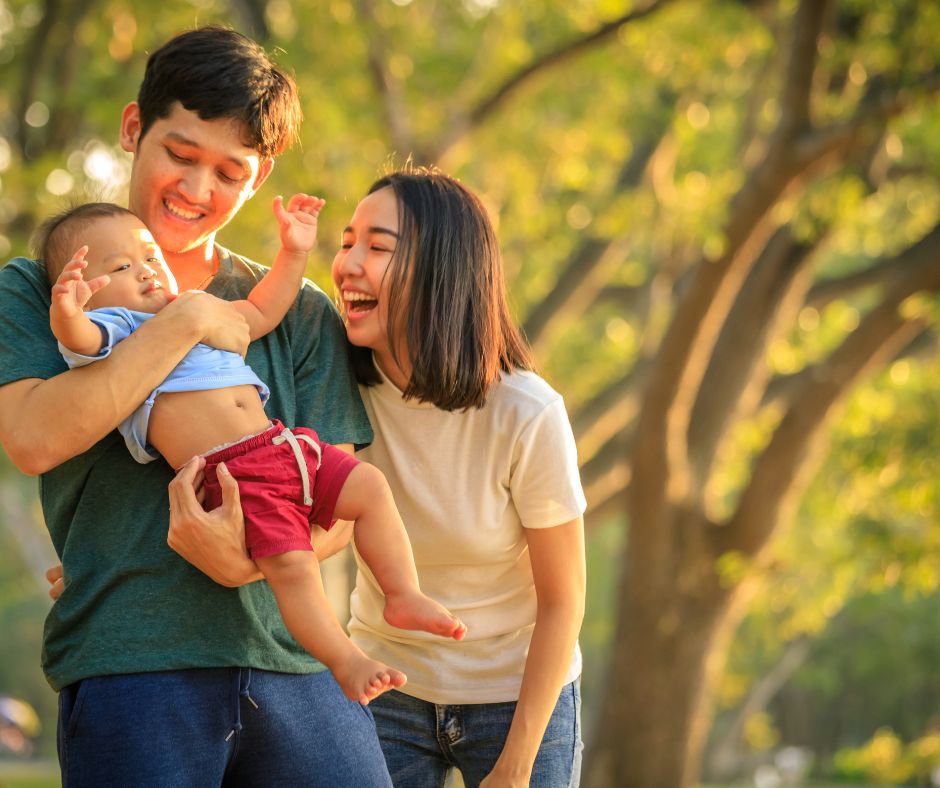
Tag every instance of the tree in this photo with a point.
(719, 218)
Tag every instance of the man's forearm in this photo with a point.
(45, 422)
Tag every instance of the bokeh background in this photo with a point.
(720, 226)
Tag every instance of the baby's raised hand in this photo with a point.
(298, 221)
(71, 292)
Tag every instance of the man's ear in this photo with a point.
(263, 172)
(130, 127)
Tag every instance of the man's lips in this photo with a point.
(181, 212)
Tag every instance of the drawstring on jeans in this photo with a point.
(242, 693)
(292, 441)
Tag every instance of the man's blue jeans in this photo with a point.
(422, 741)
(216, 727)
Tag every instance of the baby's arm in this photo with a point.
(67, 318)
(269, 300)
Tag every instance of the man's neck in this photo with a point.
(195, 268)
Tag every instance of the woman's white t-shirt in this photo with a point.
(467, 483)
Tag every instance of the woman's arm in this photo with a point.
(557, 556)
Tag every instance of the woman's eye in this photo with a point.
(226, 178)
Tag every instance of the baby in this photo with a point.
(212, 405)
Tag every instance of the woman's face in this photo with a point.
(359, 271)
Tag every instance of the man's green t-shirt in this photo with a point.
(130, 603)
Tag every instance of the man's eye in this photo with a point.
(176, 157)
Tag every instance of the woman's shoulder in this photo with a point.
(523, 389)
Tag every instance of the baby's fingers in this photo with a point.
(305, 203)
(98, 282)
(78, 259)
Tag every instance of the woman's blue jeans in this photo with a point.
(226, 727)
(422, 741)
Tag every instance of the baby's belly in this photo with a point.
(188, 423)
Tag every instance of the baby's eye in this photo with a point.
(154, 260)
(123, 267)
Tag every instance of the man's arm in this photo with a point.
(45, 422)
(269, 300)
(214, 542)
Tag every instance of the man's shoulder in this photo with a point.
(246, 273)
(25, 270)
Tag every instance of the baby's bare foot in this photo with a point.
(362, 679)
(417, 611)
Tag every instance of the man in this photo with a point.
(165, 677)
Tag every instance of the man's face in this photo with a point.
(190, 176)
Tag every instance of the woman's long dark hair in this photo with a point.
(447, 296)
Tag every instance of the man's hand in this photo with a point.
(71, 292)
(213, 542)
(298, 222)
(56, 581)
(221, 325)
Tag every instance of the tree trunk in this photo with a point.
(675, 619)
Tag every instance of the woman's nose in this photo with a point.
(351, 262)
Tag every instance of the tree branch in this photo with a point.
(781, 471)
(33, 66)
(769, 300)
(465, 123)
(661, 460)
(386, 85)
(577, 285)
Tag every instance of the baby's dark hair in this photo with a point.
(56, 239)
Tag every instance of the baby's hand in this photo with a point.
(298, 221)
(71, 292)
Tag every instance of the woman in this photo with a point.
(482, 463)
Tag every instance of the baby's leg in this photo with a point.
(295, 579)
(383, 543)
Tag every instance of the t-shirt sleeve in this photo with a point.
(115, 325)
(325, 385)
(545, 484)
(27, 347)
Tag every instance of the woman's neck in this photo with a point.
(393, 371)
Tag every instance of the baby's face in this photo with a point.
(123, 248)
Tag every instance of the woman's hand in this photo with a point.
(56, 581)
(498, 779)
(213, 542)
